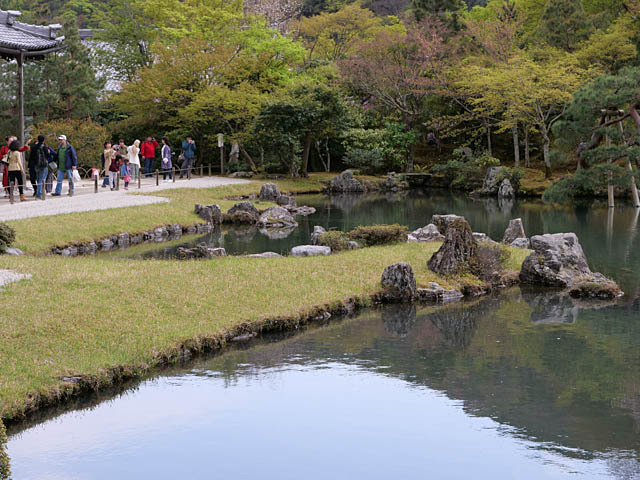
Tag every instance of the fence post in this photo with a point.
(71, 185)
(202, 170)
(139, 179)
(173, 174)
(209, 169)
(189, 172)
(157, 178)
(44, 186)
(95, 183)
(11, 199)
(118, 181)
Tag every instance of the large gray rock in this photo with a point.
(303, 210)
(209, 213)
(200, 251)
(264, 255)
(243, 213)
(317, 231)
(436, 294)
(457, 250)
(520, 243)
(506, 190)
(559, 261)
(286, 200)
(310, 251)
(513, 231)
(430, 233)
(13, 251)
(276, 217)
(398, 282)
(442, 222)
(345, 183)
(269, 193)
(490, 184)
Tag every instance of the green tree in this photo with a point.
(564, 24)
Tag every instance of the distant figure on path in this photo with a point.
(107, 157)
(148, 151)
(16, 168)
(167, 164)
(114, 167)
(122, 149)
(4, 150)
(189, 153)
(134, 160)
(39, 158)
(67, 163)
(125, 173)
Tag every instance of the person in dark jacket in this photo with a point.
(189, 153)
(39, 160)
(67, 163)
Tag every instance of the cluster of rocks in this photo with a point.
(126, 240)
(346, 183)
(399, 285)
(200, 251)
(210, 213)
(492, 185)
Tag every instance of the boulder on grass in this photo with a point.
(457, 251)
(430, 233)
(513, 231)
(442, 222)
(209, 213)
(559, 261)
(398, 282)
(310, 251)
(276, 217)
(269, 193)
(345, 183)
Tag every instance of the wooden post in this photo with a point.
(44, 186)
(222, 160)
(139, 180)
(157, 178)
(189, 172)
(11, 199)
(173, 174)
(71, 184)
(118, 181)
(20, 60)
(202, 170)
(209, 169)
(95, 183)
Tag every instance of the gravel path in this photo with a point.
(85, 200)
(9, 276)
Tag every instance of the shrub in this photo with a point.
(86, 136)
(372, 235)
(367, 161)
(7, 236)
(466, 173)
(334, 239)
(5, 472)
(586, 182)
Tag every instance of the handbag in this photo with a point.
(76, 176)
(53, 166)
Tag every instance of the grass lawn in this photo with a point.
(83, 315)
(40, 234)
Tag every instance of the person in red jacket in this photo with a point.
(4, 150)
(148, 152)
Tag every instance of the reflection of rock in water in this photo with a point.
(399, 318)
(277, 233)
(624, 468)
(506, 205)
(347, 201)
(213, 238)
(393, 197)
(457, 325)
(244, 233)
(558, 306)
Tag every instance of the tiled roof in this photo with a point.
(15, 35)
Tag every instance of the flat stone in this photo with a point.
(13, 251)
(310, 251)
(520, 243)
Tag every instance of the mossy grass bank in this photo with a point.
(91, 317)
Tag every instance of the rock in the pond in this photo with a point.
(437, 294)
(559, 261)
(599, 289)
(398, 282)
(286, 200)
(302, 210)
(457, 250)
(124, 240)
(310, 251)
(269, 192)
(209, 213)
(243, 213)
(430, 233)
(513, 231)
(264, 255)
(490, 184)
(13, 251)
(276, 217)
(200, 251)
(241, 175)
(345, 183)
(520, 243)
(442, 222)
(317, 231)
(506, 190)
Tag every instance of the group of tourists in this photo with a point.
(45, 164)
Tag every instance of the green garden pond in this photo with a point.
(526, 384)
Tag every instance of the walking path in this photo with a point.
(85, 199)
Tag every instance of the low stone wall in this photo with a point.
(125, 240)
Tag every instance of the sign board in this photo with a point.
(220, 140)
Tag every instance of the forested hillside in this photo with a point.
(306, 85)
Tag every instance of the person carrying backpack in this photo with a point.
(39, 157)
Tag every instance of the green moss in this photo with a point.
(7, 236)
(5, 472)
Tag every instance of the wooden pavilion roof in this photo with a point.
(29, 40)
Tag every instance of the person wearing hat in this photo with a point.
(67, 163)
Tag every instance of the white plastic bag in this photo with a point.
(76, 176)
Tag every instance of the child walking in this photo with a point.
(125, 173)
(114, 166)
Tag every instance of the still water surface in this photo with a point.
(525, 384)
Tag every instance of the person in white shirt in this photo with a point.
(134, 160)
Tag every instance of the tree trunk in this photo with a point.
(634, 188)
(527, 158)
(516, 145)
(546, 143)
(410, 159)
(305, 155)
(249, 159)
(489, 149)
(610, 193)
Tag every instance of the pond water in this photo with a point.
(490, 389)
(525, 384)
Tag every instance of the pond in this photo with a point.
(523, 384)
(489, 389)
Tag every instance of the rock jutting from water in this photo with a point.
(345, 183)
(315, 235)
(559, 261)
(200, 251)
(209, 213)
(490, 184)
(436, 293)
(429, 233)
(457, 250)
(310, 251)
(276, 217)
(243, 213)
(514, 230)
(398, 283)
(506, 190)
